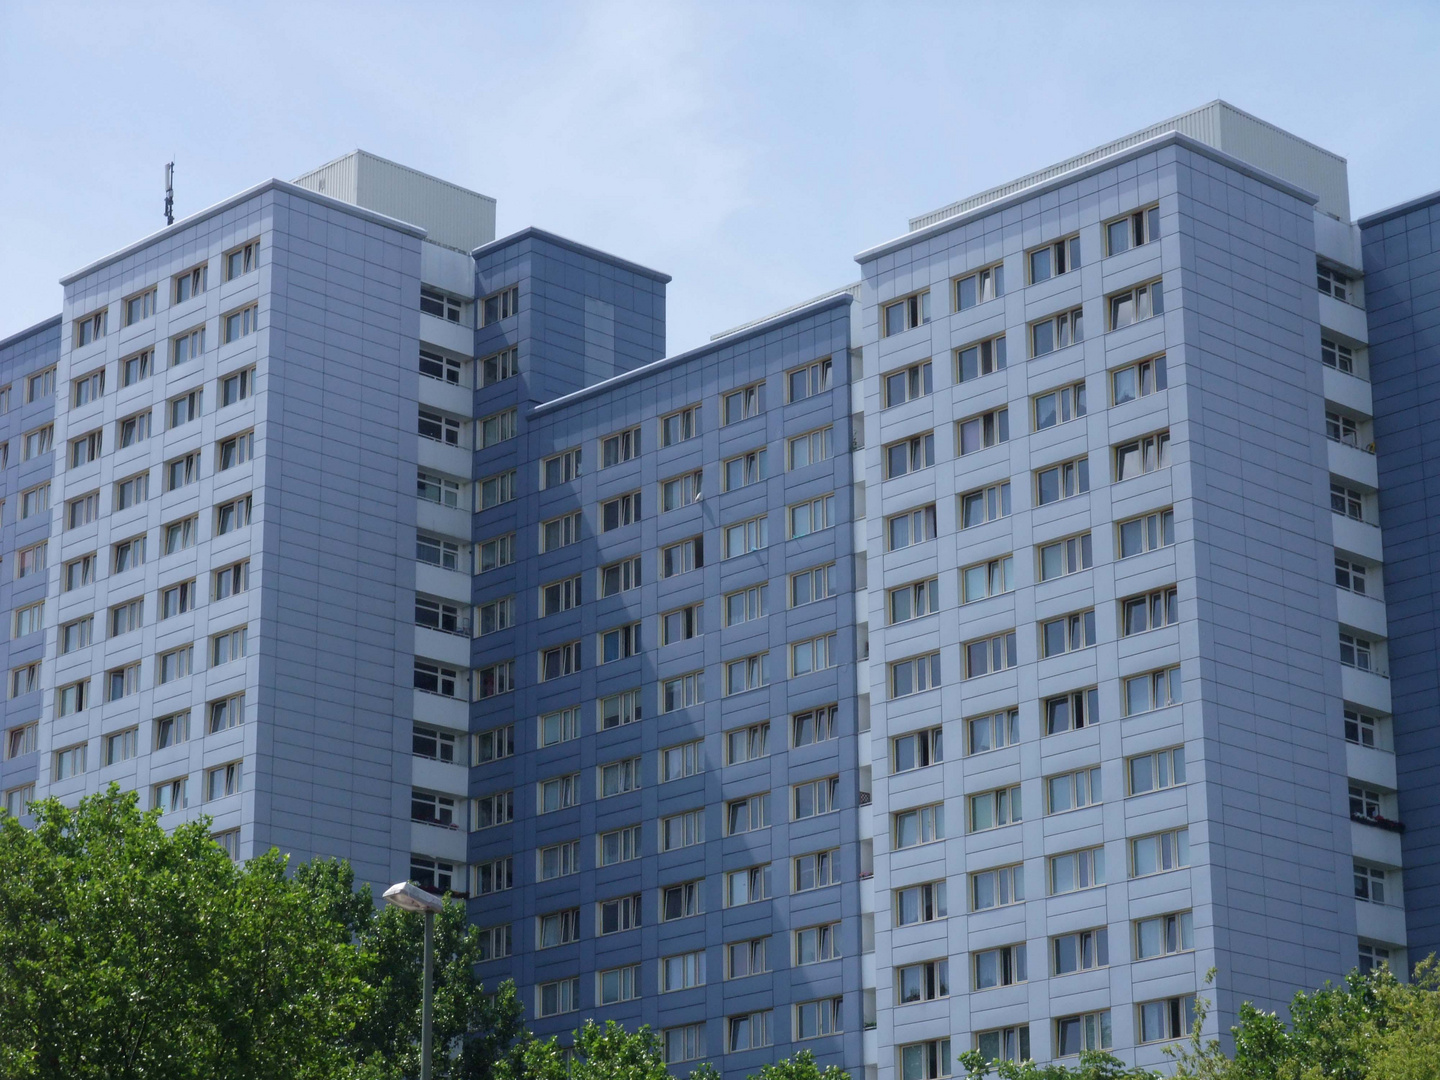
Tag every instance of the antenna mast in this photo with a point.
(170, 193)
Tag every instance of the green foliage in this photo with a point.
(801, 1067)
(1093, 1066)
(127, 952)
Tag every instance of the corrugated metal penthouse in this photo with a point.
(973, 657)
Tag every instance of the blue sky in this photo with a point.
(748, 149)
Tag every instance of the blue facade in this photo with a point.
(1402, 280)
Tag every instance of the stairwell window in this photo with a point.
(906, 313)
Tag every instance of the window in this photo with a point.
(1369, 883)
(1153, 690)
(680, 491)
(993, 809)
(491, 554)
(25, 680)
(1142, 455)
(441, 429)
(742, 404)
(495, 490)
(31, 560)
(90, 329)
(69, 762)
(619, 512)
(555, 998)
(171, 795)
(617, 984)
(682, 901)
(1334, 354)
(1052, 260)
(1059, 406)
(76, 635)
(1164, 935)
(617, 643)
(682, 692)
(499, 366)
(1149, 612)
(1072, 790)
(4, 401)
(229, 712)
(915, 675)
(744, 958)
(29, 619)
(500, 305)
(914, 601)
(910, 455)
(190, 284)
(559, 661)
(677, 558)
(682, 624)
(557, 928)
(237, 387)
(920, 903)
(21, 740)
(82, 511)
(242, 260)
(1333, 283)
(748, 673)
(1076, 870)
(1000, 967)
(746, 605)
(39, 386)
(228, 646)
(1089, 1031)
(431, 809)
(619, 447)
(494, 876)
(437, 875)
(816, 654)
(172, 730)
(682, 972)
(1072, 711)
(617, 710)
(1372, 956)
(242, 323)
(179, 535)
(434, 679)
(122, 682)
(812, 516)
(615, 916)
(1343, 500)
(1068, 633)
(439, 615)
(680, 830)
(87, 388)
(975, 288)
(72, 699)
(1138, 380)
(440, 368)
(990, 655)
(683, 1043)
(1066, 556)
(746, 469)
(809, 380)
(437, 489)
(676, 427)
(1357, 652)
(133, 429)
(1056, 332)
(559, 596)
(814, 726)
(177, 599)
(1004, 1044)
(979, 507)
(558, 860)
(1155, 771)
(495, 744)
(1141, 534)
(681, 760)
(184, 409)
(38, 442)
(187, 346)
(980, 359)
(1361, 728)
(182, 471)
(1132, 230)
(223, 780)
(810, 448)
(993, 731)
(816, 1018)
(1063, 481)
(748, 886)
(987, 579)
(997, 888)
(489, 430)
(747, 814)
(912, 527)
(1160, 852)
(1082, 951)
(617, 777)
(813, 798)
(126, 617)
(809, 586)
(1340, 428)
(906, 313)
(925, 1060)
(621, 576)
(747, 743)
(440, 304)
(1171, 1018)
(741, 538)
(923, 825)
(560, 531)
(78, 572)
(85, 449)
(907, 384)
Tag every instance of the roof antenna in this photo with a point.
(170, 193)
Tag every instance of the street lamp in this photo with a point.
(408, 897)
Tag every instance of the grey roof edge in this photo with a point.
(395, 164)
(261, 188)
(531, 231)
(1169, 138)
(1397, 210)
(30, 331)
(853, 289)
(813, 308)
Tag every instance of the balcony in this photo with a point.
(1343, 318)
(1365, 613)
(1368, 689)
(1380, 922)
(443, 458)
(1351, 391)
(447, 397)
(441, 711)
(1353, 463)
(456, 337)
(451, 649)
(440, 841)
(446, 584)
(1370, 766)
(1358, 536)
(440, 776)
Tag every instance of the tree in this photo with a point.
(801, 1067)
(127, 952)
(601, 1053)
(1093, 1066)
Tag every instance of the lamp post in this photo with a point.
(408, 897)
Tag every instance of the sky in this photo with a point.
(747, 149)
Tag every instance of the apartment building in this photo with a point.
(971, 657)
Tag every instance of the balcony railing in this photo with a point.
(1379, 821)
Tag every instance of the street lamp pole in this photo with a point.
(410, 897)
